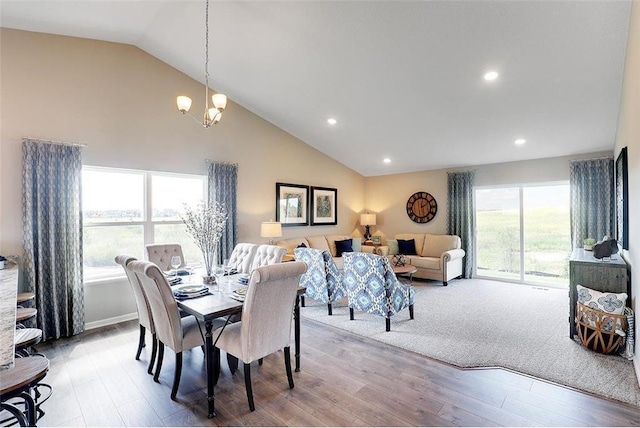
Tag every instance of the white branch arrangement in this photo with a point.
(206, 224)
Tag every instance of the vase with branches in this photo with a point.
(205, 224)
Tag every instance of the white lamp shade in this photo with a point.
(184, 103)
(219, 101)
(215, 115)
(367, 219)
(270, 229)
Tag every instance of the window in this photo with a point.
(523, 233)
(123, 210)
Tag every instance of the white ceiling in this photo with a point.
(404, 79)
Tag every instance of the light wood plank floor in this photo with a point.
(346, 380)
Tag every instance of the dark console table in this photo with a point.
(602, 275)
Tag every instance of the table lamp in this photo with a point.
(270, 229)
(367, 220)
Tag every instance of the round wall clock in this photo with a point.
(422, 207)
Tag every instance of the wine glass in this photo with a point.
(218, 272)
(176, 261)
(227, 269)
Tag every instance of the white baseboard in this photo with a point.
(109, 321)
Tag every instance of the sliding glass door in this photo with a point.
(523, 233)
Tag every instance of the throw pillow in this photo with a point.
(393, 246)
(343, 247)
(356, 244)
(613, 303)
(407, 247)
(302, 245)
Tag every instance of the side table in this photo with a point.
(405, 270)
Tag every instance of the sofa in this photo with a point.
(326, 242)
(437, 257)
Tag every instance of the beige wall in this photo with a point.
(120, 101)
(629, 135)
(387, 195)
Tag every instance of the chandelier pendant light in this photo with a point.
(214, 114)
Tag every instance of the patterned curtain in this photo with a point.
(592, 200)
(460, 216)
(223, 186)
(52, 235)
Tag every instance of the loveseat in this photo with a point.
(326, 242)
(437, 257)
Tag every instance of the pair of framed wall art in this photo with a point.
(300, 205)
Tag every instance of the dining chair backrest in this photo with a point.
(268, 255)
(164, 307)
(242, 256)
(145, 318)
(161, 254)
(268, 309)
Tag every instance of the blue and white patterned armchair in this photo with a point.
(372, 286)
(322, 278)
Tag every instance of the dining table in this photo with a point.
(222, 302)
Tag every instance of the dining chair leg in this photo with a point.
(233, 363)
(176, 376)
(159, 364)
(351, 314)
(247, 384)
(140, 341)
(411, 311)
(154, 351)
(329, 309)
(388, 323)
(216, 364)
(287, 365)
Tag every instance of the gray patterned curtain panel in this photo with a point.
(592, 199)
(52, 235)
(460, 215)
(223, 186)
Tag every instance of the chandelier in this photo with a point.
(214, 114)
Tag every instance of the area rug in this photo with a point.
(482, 323)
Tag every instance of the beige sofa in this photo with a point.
(439, 256)
(324, 242)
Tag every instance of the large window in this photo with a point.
(123, 210)
(523, 233)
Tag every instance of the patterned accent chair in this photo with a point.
(322, 278)
(372, 286)
(242, 256)
(268, 255)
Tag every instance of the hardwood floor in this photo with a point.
(346, 380)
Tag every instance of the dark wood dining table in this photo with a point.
(220, 304)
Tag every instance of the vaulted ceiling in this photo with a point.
(404, 80)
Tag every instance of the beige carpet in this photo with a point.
(481, 323)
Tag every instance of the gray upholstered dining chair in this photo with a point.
(242, 256)
(267, 255)
(179, 334)
(266, 319)
(145, 318)
(161, 254)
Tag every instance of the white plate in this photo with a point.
(191, 289)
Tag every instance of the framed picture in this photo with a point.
(292, 204)
(324, 203)
(622, 200)
(377, 240)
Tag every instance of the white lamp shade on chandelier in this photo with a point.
(270, 229)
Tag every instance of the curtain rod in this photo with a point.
(590, 159)
(222, 162)
(62, 143)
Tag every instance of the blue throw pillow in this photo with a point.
(344, 247)
(407, 247)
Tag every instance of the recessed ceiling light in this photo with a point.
(520, 141)
(331, 121)
(386, 160)
(491, 75)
